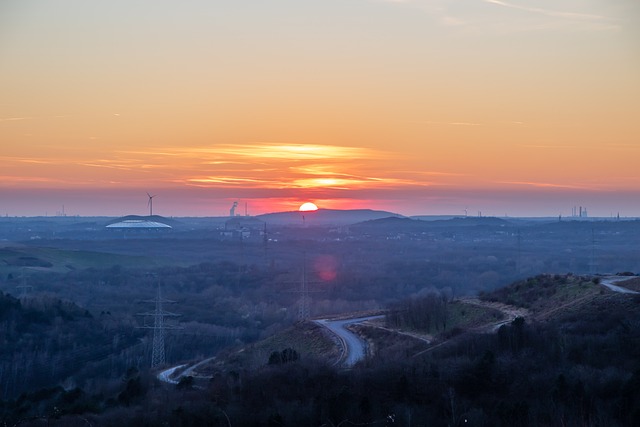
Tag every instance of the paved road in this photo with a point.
(609, 283)
(165, 376)
(353, 347)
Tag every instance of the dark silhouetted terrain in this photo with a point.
(496, 321)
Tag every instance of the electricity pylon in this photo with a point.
(304, 311)
(23, 288)
(592, 256)
(304, 303)
(159, 316)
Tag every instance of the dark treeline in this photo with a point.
(426, 313)
(44, 341)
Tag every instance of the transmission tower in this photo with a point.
(23, 288)
(159, 326)
(519, 254)
(592, 257)
(304, 311)
(265, 243)
(304, 303)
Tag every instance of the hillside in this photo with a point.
(572, 360)
(632, 283)
(19, 260)
(310, 342)
(45, 341)
(546, 296)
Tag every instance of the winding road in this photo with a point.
(353, 347)
(166, 376)
(609, 283)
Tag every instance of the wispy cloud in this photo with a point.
(289, 151)
(549, 12)
(8, 180)
(464, 124)
(546, 185)
(256, 165)
(35, 161)
(553, 146)
(13, 119)
(301, 166)
(473, 19)
(456, 123)
(430, 173)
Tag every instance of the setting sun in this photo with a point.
(308, 207)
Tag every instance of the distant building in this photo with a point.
(244, 223)
(140, 223)
(244, 227)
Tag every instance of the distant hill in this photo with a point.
(409, 225)
(471, 221)
(325, 217)
(433, 217)
(152, 218)
(391, 224)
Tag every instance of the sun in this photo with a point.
(308, 207)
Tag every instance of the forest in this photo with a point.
(576, 369)
(74, 351)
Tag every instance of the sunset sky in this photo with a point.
(514, 107)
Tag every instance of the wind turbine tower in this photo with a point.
(150, 203)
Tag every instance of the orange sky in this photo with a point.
(522, 107)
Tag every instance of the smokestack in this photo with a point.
(232, 211)
(580, 211)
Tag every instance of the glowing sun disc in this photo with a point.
(308, 207)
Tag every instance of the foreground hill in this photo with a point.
(45, 341)
(573, 360)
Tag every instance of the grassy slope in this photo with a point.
(307, 338)
(14, 259)
(547, 295)
(633, 284)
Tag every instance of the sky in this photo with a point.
(420, 107)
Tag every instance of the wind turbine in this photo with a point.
(150, 203)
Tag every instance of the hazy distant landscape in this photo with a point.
(74, 291)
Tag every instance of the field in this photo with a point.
(14, 260)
